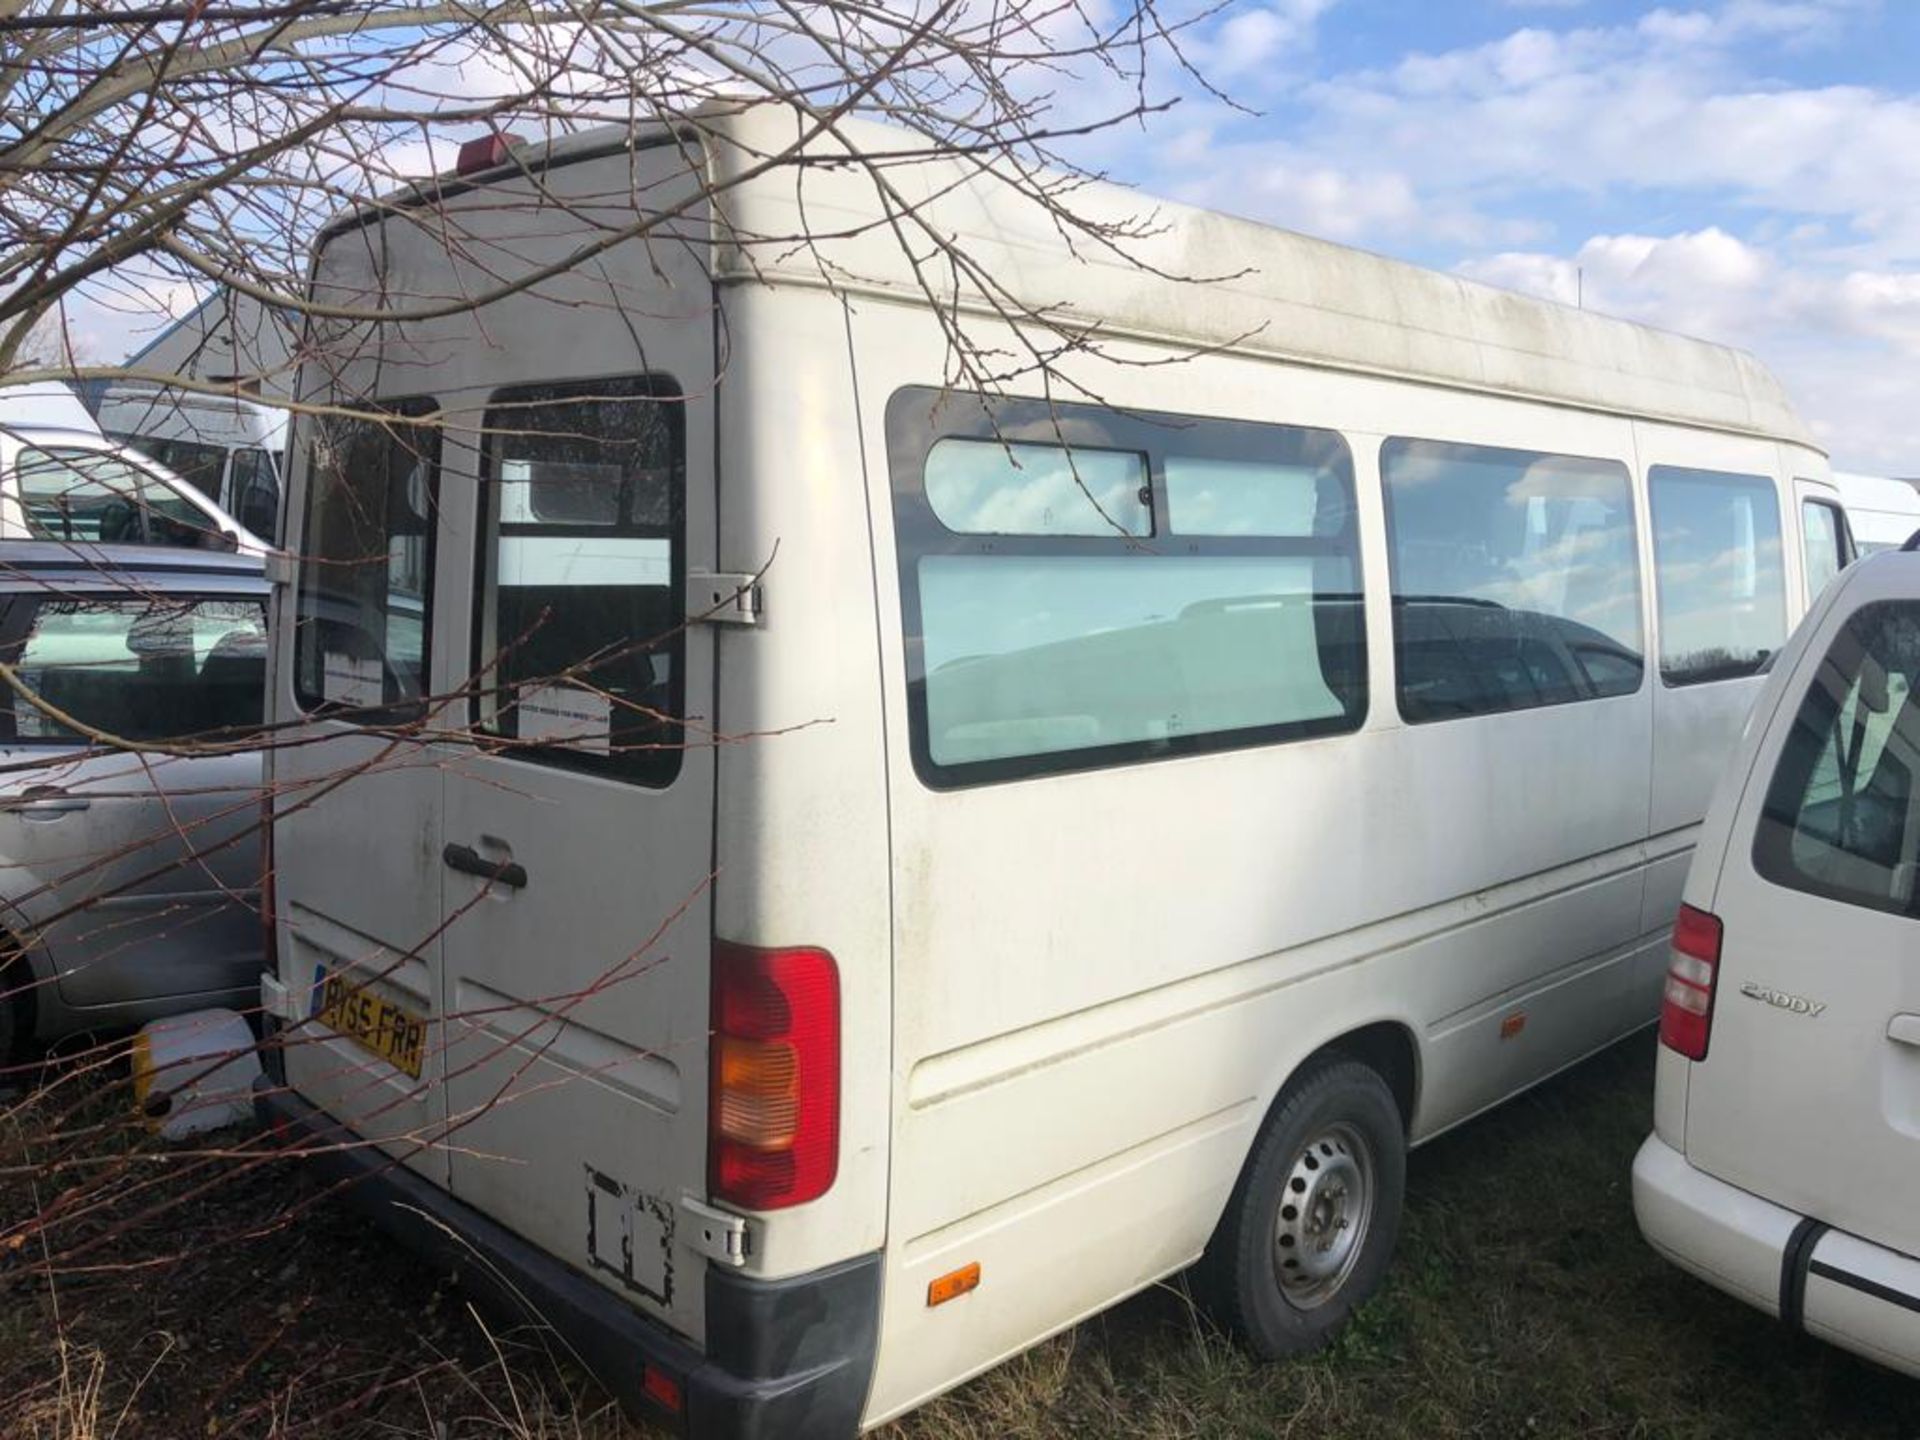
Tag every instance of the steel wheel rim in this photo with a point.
(1325, 1211)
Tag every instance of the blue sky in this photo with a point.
(1746, 170)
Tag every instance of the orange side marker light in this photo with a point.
(1513, 1024)
(953, 1284)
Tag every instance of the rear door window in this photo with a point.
(1842, 813)
(134, 668)
(579, 645)
(366, 564)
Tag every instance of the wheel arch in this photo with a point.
(1389, 1049)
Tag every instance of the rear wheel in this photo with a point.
(1311, 1226)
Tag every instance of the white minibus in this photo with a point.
(815, 876)
(229, 447)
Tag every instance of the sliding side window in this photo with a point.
(1718, 563)
(1516, 580)
(580, 643)
(366, 562)
(1084, 587)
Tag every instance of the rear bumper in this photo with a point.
(1852, 1293)
(785, 1358)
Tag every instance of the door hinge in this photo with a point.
(723, 599)
(279, 567)
(717, 1234)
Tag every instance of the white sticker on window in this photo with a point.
(566, 713)
(351, 681)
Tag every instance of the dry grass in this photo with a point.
(1524, 1304)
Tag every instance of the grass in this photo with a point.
(1523, 1303)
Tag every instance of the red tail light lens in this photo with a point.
(773, 1102)
(1686, 1009)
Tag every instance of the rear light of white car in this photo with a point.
(1686, 1009)
(773, 1104)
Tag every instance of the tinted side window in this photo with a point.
(1842, 813)
(1134, 585)
(1718, 568)
(1516, 582)
(581, 600)
(1824, 535)
(152, 669)
(366, 567)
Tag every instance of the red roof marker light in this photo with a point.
(485, 153)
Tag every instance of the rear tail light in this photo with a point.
(1686, 1009)
(773, 1105)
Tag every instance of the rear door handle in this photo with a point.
(469, 861)
(38, 801)
(1904, 1030)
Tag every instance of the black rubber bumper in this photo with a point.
(785, 1359)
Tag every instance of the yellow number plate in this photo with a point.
(391, 1031)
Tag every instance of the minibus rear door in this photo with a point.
(578, 839)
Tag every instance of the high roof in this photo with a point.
(1198, 279)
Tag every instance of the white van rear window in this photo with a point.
(580, 639)
(366, 562)
(1842, 814)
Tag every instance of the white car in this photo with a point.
(76, 485)
(1784, 1166)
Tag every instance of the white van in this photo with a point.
(822, 880)
(1784, 1166)
(229, 447)
(1884, 513)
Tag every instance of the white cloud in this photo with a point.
(1250, 41)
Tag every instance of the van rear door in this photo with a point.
(530, 871)
(574, 852)
(356, 837)
(1810, 1091)
(578, 840)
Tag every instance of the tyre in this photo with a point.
(1311, 1226)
